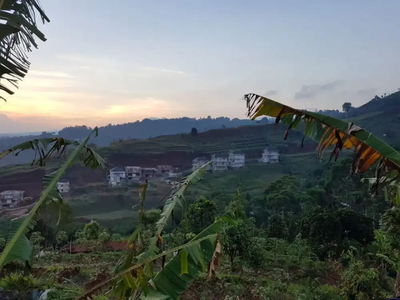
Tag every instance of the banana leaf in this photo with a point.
(18, 30)
(171, 281)
(17, 241)
(200, 252)
(329, 131)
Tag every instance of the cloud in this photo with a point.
(49, 74)
(310, 91)
(370, 92)
(271, 93)
(165, 70)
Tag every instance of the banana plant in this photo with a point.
(195, 257)
(134, 276)
(18, 246)
(329, 131)
(18, 30)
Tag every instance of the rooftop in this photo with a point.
(201, 158)
(219, 156)
(117, 169)
(11, 192)
(63, 180)
(237, 152)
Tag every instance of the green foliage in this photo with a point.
(202, 214)
(361, 283)
(104, 237)
(390, 224)
(92, 230)
(116, 237)
(331, 232)
(151, 217)
(277, 227)
(61, 238)
(2, 243)
(18, 246)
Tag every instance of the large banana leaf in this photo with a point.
(175, 200)
(17, 31)
(17, 240)
(182, 269)
(47, 147)
(330, 131)
(198, 254)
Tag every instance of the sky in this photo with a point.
(120, 63)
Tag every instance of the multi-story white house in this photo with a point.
(270, 155)
(133, 173)
(199, 162)
(11, 198)
(149, 172)
(164, 169)
(117, 176)
(236, 159)
(63, 186)
(219, 162)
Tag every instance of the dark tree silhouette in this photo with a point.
(346, 107)
(194, 131)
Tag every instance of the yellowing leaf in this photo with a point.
(184, 262)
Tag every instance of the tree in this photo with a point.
(194, 131)
(104, 237)
(277, 227)
(346, 107)
(115, 237)
(201, 214)
(2, 243)
(61, 238)
(37, 240)
(237, 240)
(390, 225)
(92, 230)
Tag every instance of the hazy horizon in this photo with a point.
(179, 58)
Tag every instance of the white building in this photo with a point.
(199, 162)
(117, 176)
(219, 162)
(63, 186)
(133, 173)
(149, 172)
(236, 159)
(164, 169)
(270, 155)
(11, 198)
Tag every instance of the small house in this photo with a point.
(117, 176)
(63, 186)
(199, 162)
(10, 198)
(164, 169)
(270, 155)
(149, 172)
(236, 159)
(219, 162)
(133, 173)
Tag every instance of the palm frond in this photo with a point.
(47, 148)
(329, 131)
(18, 29)
(13, 247)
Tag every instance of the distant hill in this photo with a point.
(147, 128)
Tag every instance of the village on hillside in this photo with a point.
(235, 159)
(219, 162)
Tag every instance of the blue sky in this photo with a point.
(115, 62)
